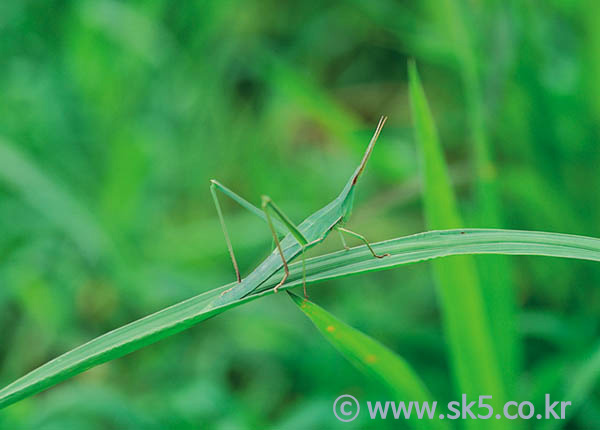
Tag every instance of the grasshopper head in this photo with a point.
(365, 158)
(348, 192)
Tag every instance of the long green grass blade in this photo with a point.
(453, 19)
(472, 352)
(403, 250)
(372, 359)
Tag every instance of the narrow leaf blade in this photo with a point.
(373, 359)
(472, 352)
(403, 250)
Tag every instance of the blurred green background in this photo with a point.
(115, 115)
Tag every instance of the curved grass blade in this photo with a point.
(403, 250)
(372, 359)
(473, 353)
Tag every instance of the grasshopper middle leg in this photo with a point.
(363, 239)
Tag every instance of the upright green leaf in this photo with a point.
(472, 352)
(454, 20)
(372, 359)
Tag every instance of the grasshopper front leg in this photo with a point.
(217, 186)
(214, 185)
(268, 205)
(343, 240)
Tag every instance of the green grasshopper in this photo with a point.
(312, 231)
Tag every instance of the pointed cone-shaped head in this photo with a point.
(348, 191)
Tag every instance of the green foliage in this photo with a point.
(472, 353)
(495, 273)
(115, 115)
(404, 250)
(371, 358)
(41, 192)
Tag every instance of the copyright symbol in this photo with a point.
(347, 405)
